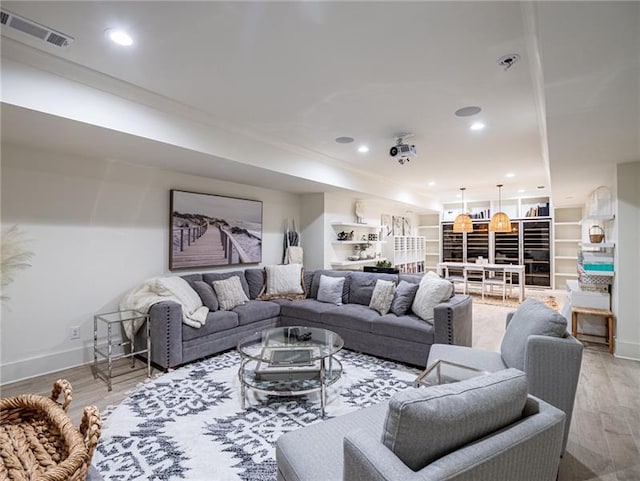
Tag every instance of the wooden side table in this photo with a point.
(606, 314)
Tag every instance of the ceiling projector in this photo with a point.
(403, 152)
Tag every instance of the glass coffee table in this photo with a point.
(445, 372)
(289, 361)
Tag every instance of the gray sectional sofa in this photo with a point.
(405, 338)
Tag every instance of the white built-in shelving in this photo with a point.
(343, 249)
(567, 236)
(429, 228)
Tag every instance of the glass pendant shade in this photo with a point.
(500, 221)
(462, 223)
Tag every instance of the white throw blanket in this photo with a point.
(142, 297)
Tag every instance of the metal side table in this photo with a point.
(106, 351)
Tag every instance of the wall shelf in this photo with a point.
(354, 242)
(355, 224)
(357, 263)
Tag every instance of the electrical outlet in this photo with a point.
(74, 332)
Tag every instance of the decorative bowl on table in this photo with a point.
(354, 258)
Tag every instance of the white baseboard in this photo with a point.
(627, 350)
(37, 366)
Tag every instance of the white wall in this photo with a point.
(97, 228)
(627, 281)
(313, 219)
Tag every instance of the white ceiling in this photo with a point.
(299, 74)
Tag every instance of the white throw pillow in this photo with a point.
(230, 293)
(181, 290)
(382, 296)
(330, 290)
(432, 291)
(283, 281)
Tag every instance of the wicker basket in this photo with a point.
(39, 441)
(596, 234)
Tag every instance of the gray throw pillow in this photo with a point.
(402, 300)
(531, 318)
(424, 424)
(382, 296)
(207, 294)
(330, 290)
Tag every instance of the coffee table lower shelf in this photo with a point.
(290, 380)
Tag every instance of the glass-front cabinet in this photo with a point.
(527, 244)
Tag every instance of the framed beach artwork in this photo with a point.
(209, 230)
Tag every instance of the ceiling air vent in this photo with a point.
(34, 29)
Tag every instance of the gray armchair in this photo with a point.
(536, 341)
(481, 429)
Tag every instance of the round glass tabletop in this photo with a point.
(292, 345)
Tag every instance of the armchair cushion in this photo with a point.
(531, 318)
(424, 424)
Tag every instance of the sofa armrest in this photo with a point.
(553, 365)
(509, 317)
(367, 459)
(452, 321)
(166, 334)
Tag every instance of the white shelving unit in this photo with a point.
(406, 253)
(429, 228)
(567, 236)
(343, 249)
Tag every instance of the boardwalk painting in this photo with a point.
(212, 230)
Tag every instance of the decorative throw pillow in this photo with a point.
(423, 424)
(382, 296)
(432, 291)
(531, 318)
(181, 290)
(283, 282)
(330, 290)
(230, 293)
(206, 293)
(403, 298)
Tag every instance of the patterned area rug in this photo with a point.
(188, 424)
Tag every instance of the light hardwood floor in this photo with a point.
(604, 441)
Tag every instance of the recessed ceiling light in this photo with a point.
(431, 184)
(363, 149)
(467, 111)
(520, 191)
(510, 175)
(120, 37)
(477, 126)
(344, 140)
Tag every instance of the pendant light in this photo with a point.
(463, 221)
(500, 221)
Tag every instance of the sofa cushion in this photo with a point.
(403, 298)
(382, 296)
(315, 283)
(531, 318)
(489, 361)
(409, 328)
(218, 276)
(284, 281)
(410, 278)
(431, 292)
(253, 311)
(255, 281)
(353, 316)
(306, 310)
(424, 424)
(362, 284)
(230, 293)
(330, 290)
(207, 294)
(217, 321)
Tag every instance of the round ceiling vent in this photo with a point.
(468, 111)
(508, 60)
(344, 140)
